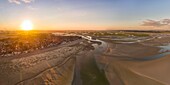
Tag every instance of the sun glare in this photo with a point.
(27, 25)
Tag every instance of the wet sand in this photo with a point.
(50, 67)
(91, 63)
(126, 64)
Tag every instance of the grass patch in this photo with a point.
(119, 34)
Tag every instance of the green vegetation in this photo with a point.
(25, 42)
(92, 75)
(119, 34)
(139, 34)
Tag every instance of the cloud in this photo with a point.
(15, 1)
(32, 8)
(166, 21)
(158, 23)
(27, 1)
(20, 1)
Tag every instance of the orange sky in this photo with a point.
(86, 14)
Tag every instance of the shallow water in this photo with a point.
(165, 50)
(89, 72)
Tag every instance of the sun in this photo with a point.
(27, 25)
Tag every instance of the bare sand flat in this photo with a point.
(157, 69)
(39, 68)
(129, 64)
(85, 62)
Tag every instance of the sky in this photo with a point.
(86, 14)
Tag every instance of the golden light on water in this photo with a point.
(27, 25)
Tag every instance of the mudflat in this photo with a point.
(100, 60)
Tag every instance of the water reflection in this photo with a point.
(98, 45)
(165, 50)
